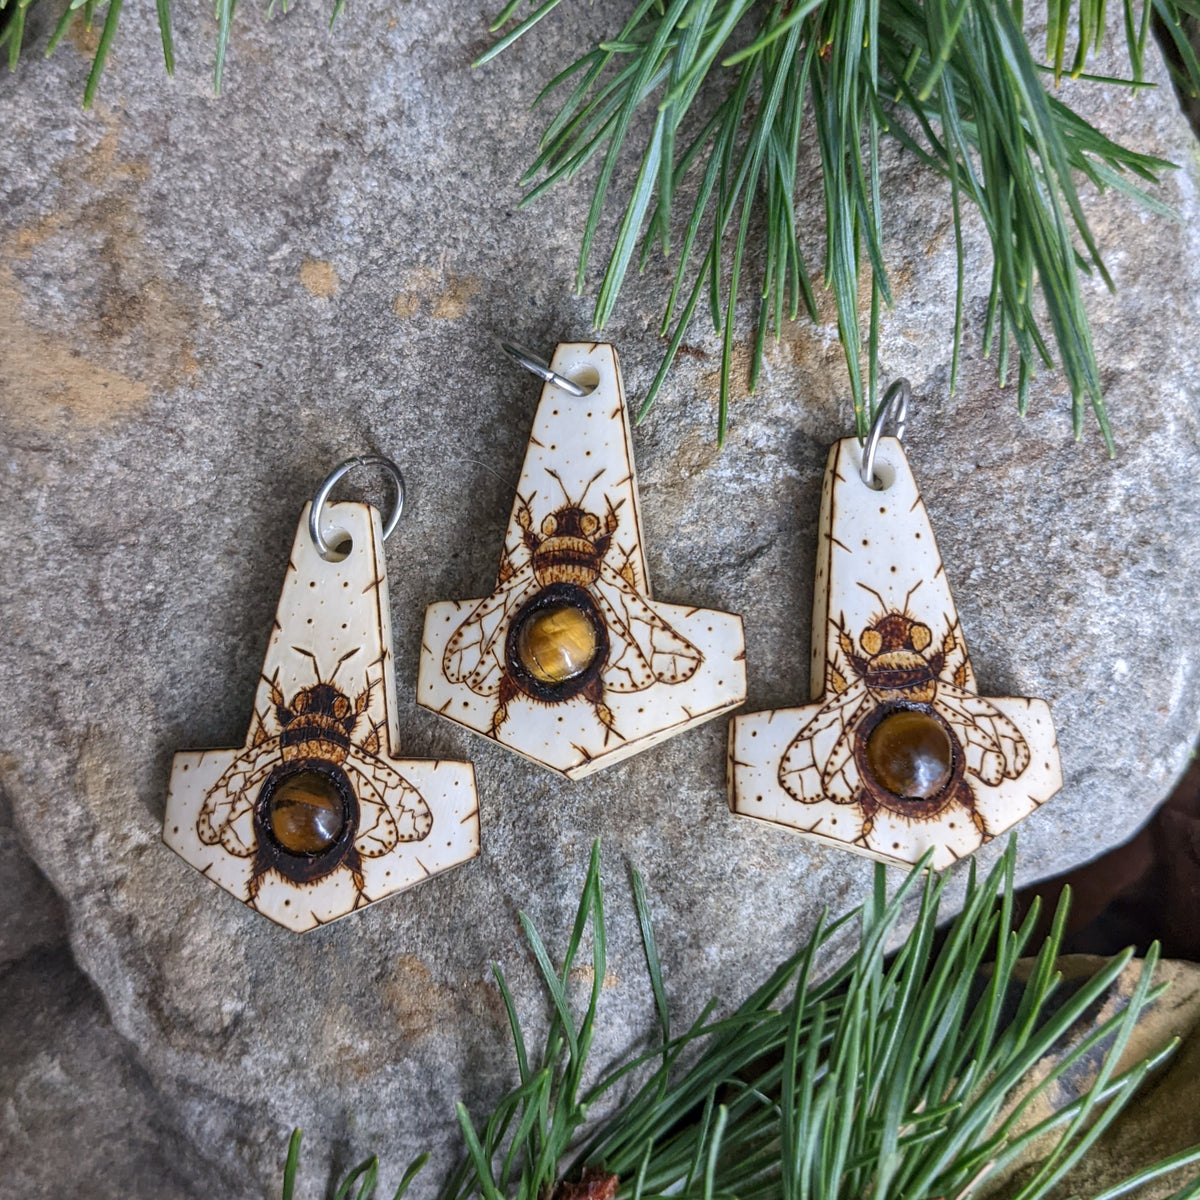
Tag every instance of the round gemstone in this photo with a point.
(910, 754)
(305, 813)
(556, 643)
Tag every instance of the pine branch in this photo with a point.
(905, 1076)
(12, 33)
(365, 1175)
(954, 81)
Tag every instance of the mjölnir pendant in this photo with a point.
(899, 754)
(317, 815)
(569, 661)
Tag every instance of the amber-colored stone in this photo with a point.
(909, 753)
(557, 643)
(305, 813)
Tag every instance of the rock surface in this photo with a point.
(205, 303)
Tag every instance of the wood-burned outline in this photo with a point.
(892, 673)
(566, 563)
(315, 733)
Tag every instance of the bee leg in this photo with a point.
(981, 824)
(965, 798)
(360, 705)
(869, 809)
(525, 521)
(372, 742)
(256, 878)
(606, 719)
(611, 520)
(360, 884)
(594, 693)
(508, 690)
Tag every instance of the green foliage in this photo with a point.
(732, 87)
(360, 1182)
(892, 1077)
(12, 32)
(717, 97)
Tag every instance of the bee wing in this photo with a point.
(644, 647)
(475, 652)
(390, 809)
(819, 764)
(994, 747)
(227, 814)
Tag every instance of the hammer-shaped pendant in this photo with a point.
(898, 754)
(317, 814)
(569, 661)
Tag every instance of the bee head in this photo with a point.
(323, 699)
(895, 632)
(571, 521)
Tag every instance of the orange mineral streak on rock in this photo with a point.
(443, 294)
(130, 330)
(452, 303)
(43, 378)
(420, 1004)
(320, 277)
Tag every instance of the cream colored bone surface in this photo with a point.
(580, 454)
(877, 555)
(333, 624)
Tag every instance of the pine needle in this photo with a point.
(12, 26)
(894, 1076)
(954, 81)
(905, 1075)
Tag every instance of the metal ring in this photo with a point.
(541, 369)
(326, 551)
(895, 408)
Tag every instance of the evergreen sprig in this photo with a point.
(359, 1183)
(893, 1077)
(732, 87)
(12, 32)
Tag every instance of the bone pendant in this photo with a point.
(898, 754)
(569, 661)
(317, 814)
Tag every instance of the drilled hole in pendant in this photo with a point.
(910, 754)
(305, 813)
(884, 476)
(340, 544)
(585, 376)
(557, 643)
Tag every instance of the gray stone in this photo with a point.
(205, 303)
(33, 913)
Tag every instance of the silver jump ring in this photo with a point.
(326, 551)
(541, 369)
(895, 409)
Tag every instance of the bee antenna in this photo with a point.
(908, 595)
(875, 594)
(567, 495)
(348, 654)
(316, 665)
(558, 479)
(589, 484)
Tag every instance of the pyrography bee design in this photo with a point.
(565, 621)
(307, 797)
(902, 732)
